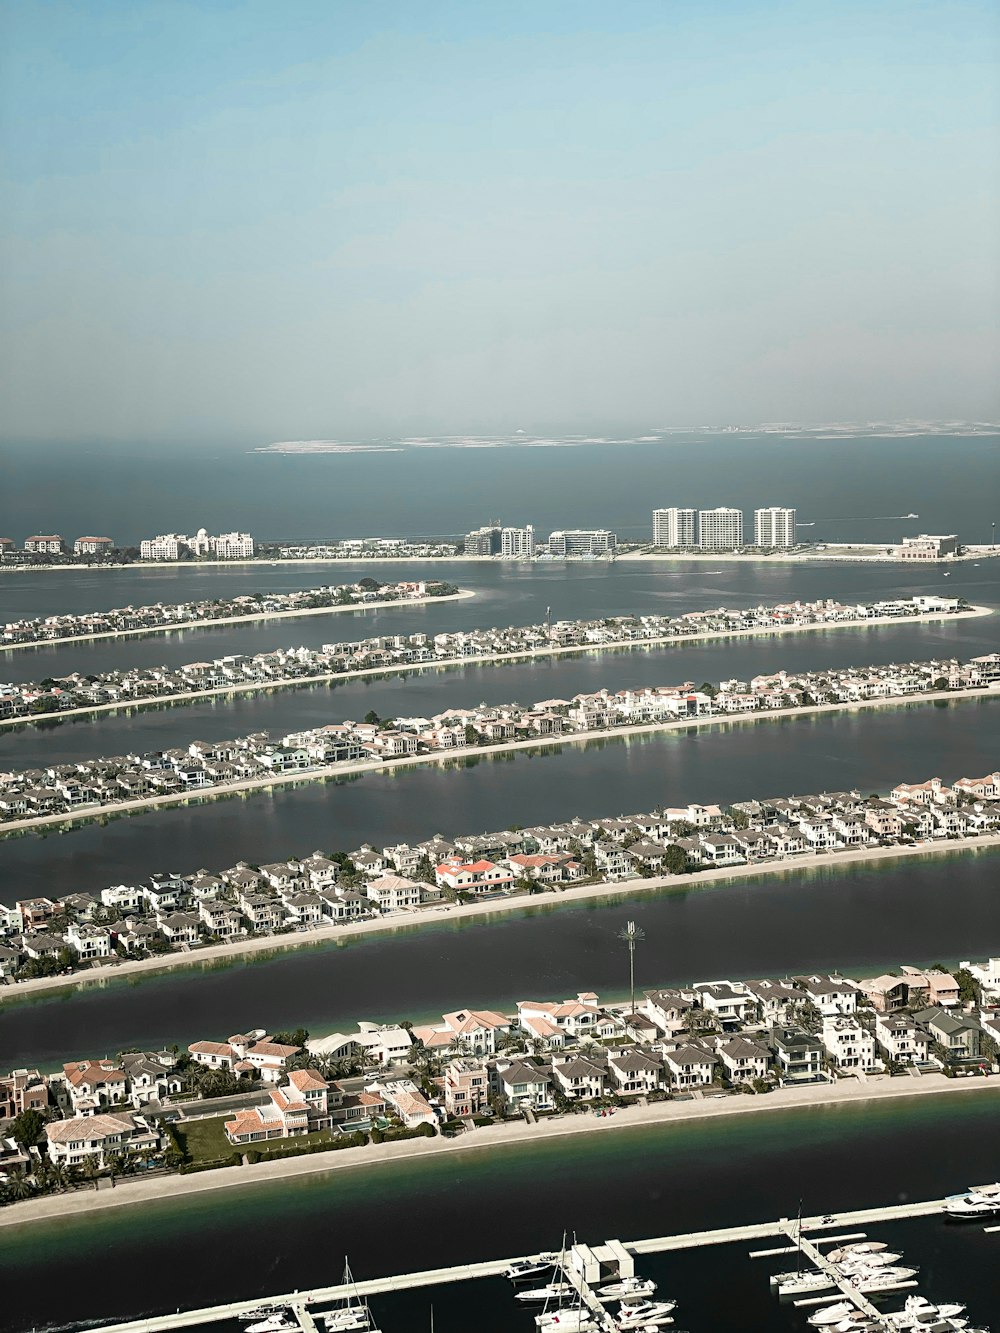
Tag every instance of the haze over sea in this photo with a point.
(852, 488)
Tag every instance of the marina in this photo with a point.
(585, 1270)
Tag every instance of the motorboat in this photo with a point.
(885, 1277)
(645, 1313)
(531, 1267)
(832, 1314)
(981, 1202)
(795, 1284)
(552, 1291)
(858, 1322)
(573, 1321)
(628, 1287)
(858, 1247)
(919, 1310)
(276, 1322)
(855, 1261)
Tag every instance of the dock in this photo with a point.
(584, 1262)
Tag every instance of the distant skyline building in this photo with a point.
(170, 545)
(582, 541)
(486, 540)
(720, 529)
(675, 527)
(518, 543)
(774, 527)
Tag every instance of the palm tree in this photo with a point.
(19, 1187)
(91, 1168)
(632, 935)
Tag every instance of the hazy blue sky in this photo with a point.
(252, 221)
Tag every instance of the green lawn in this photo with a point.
(204, 1140)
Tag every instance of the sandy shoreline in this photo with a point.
(830, 553)
(131, 1191)
(461, 753)
(223, 691)
(461, 595)
(568, 896)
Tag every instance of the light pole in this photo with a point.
(632, 935)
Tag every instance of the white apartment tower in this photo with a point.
(518, 543)
(720, 529)
(774, 527)
(674, 527)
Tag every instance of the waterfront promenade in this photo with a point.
(485, 659)
(496, 1137)
(568, 895)
(351, 768)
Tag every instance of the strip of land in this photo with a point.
(214, 621)
(461, 753)
(833, 553)
(566, 895)
(845, 1092)
(252, 687)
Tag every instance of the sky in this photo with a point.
(242, 222)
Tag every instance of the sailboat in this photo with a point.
(353, 1314)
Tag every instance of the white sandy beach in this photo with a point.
(496, 1137)
(666, 640)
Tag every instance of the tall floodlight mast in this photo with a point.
(632, 935)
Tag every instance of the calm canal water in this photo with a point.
(425, 693)
(872, 751)
(859, 917)
(258, 1240)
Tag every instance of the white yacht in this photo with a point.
(531, 1267)
(979, 1201)
(858, 1247)
(645, 1313)
(919, 1310)
(876, 1280)
(626, 1288)
(795, 1284)
(276, 1322)
(855, 1261)
(830, 1315)
(552, 1291)
(573, 1321)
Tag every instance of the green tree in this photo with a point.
(675, 860)
(28, 1128)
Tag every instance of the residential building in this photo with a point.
(393, 893)
(798, 1055)
(720, 529)
(689, 1067)
(988, 976)
(466, 1087)
(408, 1102)
(583, 1076)
(582, 541)
(22, 1090)
(902, 1040)
(45, 545)
(484, 541)
(675, 527)
(70, 1142)
(774, 527)
(524, 1084)
(518, 543)
(165, 547)
(93, 546)
(850, 1045)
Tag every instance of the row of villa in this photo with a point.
(203, 767)
(548, 1055)
(387, 651)
(172, 911)
(136, 619)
